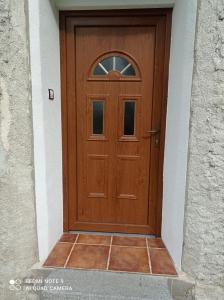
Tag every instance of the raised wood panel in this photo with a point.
(128, 176)
(97, 176)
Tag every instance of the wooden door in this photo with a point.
(115, 85)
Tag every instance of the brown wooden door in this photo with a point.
(115, 89)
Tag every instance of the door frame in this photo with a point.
(164, 15)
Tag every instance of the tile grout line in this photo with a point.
(108, 260)
(65, 242)
(123, 246)
(156, 248)
(71, 251)
(141, 247)
(88, 244)
(149, 258)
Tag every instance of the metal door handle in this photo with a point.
(153, 131)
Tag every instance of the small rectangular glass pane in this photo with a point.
(129, 117)
(98, 111)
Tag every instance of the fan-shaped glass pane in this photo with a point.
(99, 71)
(114, 63)
(121, 63)
(108, 63)
(130, 71)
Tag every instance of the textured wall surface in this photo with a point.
(204, 226)
(18, 249)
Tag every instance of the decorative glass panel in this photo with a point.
(121, 63)
(114, 63)
(130, 71)
(99, 71)
(129, 117)
(98, 111)
(108, 63)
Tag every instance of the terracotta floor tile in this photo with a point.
(58, 255)
(89, 257)
(128, 254)
(68, 237)
(129, 259)
(161, 262)
(90, 239)
(156, 243)
(129, 241)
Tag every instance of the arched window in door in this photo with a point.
(115, 66)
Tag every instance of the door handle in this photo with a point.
(153, 131)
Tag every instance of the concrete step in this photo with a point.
(60, 284)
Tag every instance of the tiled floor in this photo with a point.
(111, 253)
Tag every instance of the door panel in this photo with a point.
(111, 152)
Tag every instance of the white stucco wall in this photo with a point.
(45, 72)
(177, 125)
(44, 40)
